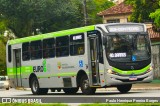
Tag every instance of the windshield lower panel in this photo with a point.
(128, 47)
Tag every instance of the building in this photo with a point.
(117, 14)
(120, 13)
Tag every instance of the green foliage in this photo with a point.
(3, 55)
(2, 27)
(156, 16)
(23, 17)
(95, 6)
(142, 9)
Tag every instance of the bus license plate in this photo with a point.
(132, 78)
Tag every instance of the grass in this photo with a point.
(156, 81)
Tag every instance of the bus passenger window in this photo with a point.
(36, 50)
(62, 46)
(25, 51)
(77, 44)
(9, 53)
(48, 48)
(80, 50)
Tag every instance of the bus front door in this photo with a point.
(17, 64)
(93, 43)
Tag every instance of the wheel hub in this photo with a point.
(35, 86)
(86, 84)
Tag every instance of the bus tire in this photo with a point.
(124, 88)
(35, 87)
(70, 90)
(86, 89)
(7, 88)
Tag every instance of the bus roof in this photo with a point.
(52, 34)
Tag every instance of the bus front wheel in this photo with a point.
(86, 89)
(124, 88)
(35, 87)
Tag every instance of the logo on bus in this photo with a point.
(59, 65)
(40, 68)
(80, 63)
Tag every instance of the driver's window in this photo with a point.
(141, 43)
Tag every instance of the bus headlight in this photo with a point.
(150, 69)
(109, 71)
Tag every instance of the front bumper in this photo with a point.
(2, 85)
(112, 79)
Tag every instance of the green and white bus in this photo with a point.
(90, 57)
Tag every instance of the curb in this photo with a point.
(133, 89)
(151, 86)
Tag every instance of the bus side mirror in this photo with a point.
(104, 40)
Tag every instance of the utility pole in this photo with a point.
(85, 12)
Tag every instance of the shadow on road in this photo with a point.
(80, 94)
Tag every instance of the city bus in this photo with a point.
(97, 56)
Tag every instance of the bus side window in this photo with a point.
(62, 46)
(36, 52)
(25, 51)
(9, 53)
(80, 50)
(77, 44)
(49, 48)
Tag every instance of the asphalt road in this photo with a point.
(99, 93)
(100, 96)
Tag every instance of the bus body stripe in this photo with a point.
(26, 70)
(129, 72)
(53, 34)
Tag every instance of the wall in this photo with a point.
(123, 18)
(156, 60)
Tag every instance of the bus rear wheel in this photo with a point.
(124, 88)
(7, 88)
(35, 87)
(85, 87)
(70, 90)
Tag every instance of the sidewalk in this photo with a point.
(155, 85)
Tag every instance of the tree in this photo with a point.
(95, 6)
(67, 14)
(142, 9)
(3, 41)
(23, 17)
(156, 16)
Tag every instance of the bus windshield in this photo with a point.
(128, 47)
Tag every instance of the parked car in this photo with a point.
(4, 82)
